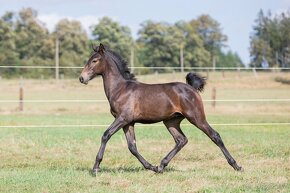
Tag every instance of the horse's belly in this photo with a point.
(155, 105)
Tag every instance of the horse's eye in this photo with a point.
(94, 61)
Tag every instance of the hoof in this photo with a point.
(160, 169)
(94, 172)
(239, 169)
(154, 169)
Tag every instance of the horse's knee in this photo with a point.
(184, 141)
(106, 136)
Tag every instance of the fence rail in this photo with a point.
(140, 125)
(284, 100)
(154, 67)
(104, 101)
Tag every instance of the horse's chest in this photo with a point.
(115, 108)
(124, 107)
(113, 112)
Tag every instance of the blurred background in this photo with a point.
(242, 47)
(54, 39)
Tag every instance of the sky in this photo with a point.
(236, 18)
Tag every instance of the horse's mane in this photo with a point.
(122, 65)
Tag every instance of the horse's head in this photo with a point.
(95, 65)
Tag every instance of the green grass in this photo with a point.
(60, 159)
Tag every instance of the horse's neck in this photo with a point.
(113, 81)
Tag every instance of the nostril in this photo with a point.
(81, 79)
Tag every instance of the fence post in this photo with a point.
(213, 97)
(255, 73)
(132, 58)
(213, 63)
(21, 94)
(181, 58)
(56, 58)
(207, 74)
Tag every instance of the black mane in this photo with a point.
(121, 63)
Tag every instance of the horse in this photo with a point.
(133, 102)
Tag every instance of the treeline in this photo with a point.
(270, 41)
(24, 40)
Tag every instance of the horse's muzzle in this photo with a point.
(82, 80)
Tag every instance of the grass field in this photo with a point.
(36, 159)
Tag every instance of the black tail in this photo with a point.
(196, 81)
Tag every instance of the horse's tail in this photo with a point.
(196, 81)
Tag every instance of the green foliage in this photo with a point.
(33, 42)
(8, 54)
(211, 33)
(112, 34)
(195, 54)
(270, 40)
(228, 59)
(73, 44)
(25, 41)
(159, 44)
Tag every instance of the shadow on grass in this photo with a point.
(122, 170)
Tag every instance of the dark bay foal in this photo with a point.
(135, 102)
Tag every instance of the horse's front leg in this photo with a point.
(115, 126)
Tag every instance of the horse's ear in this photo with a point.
(101, 48)
(93, 47)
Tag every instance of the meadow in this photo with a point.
(59, 159)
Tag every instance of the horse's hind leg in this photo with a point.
(173, 126)
(203, 125)
(131, 140)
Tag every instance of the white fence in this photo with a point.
(284, 100)
(154, 68)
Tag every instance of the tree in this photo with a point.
(270, 40)
(200, 40)
(73, 44)
(32, 38)
(8, 53)
(159, 44)
(33, 42)
(26, 41)
(228, 59)
(195, 54)
(113, 35)
(210, 32)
